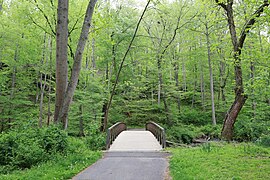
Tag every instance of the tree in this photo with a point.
(63, 104)
(106, 111)
(61, 57)
(238, 43)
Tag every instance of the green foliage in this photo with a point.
(212, 132)
(206, 147)
(254, 150)
(264, 140)
(59, 167)
(181, 134)
(54, 140)
(28, 146)
(194, 116)
(220, 161)
(248, 130)
(96, 142)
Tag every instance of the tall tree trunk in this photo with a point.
(93, 54)
(202, 89)
(184, 74)
(195, 85)
(1, 5)
(13, 86)
(61, 57)
(240, 97)
(1, 109)
(159, 80)
(42, 86)
(176, 77)
(207, 34)
(252, 76)
(77, 63)
(49, 82)
(81, 133)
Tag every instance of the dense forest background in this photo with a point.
(179, 71)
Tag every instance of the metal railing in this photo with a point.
(158, 132)
(113, 132)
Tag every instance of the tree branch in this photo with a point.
(222, 5)
(122, 63)
(46, 17)
(251, 22)
(75, 24)
(44, 29)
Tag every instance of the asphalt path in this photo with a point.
(128, 166)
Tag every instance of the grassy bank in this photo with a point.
(61, 167)
(220, 161)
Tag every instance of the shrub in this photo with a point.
(95, 141)
(194, 117)
(264, 140)
(211, 131)
(29, 146)
(181, 134)
(54, 140)
(248, 130)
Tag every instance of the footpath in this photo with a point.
(134, 155)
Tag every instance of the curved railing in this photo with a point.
(113, 132)
(158, 132)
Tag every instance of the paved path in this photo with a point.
(134, 155)
(128, 166)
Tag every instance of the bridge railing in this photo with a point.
(157, 131)
(113, 132)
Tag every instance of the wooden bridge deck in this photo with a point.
(135, 141)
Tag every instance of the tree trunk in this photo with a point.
(13, 85)
(210, 74)
(93, 54)
(49, 83)
(159, 80)
(61, 57)
(1, 5)
(228, 125)
(240, 97)
(77, 63)
(202, 89)
(42, 86)
(176, 77)
(252, 76)
(81, 134)
(184, 84)
(195, 85)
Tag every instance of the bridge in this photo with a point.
(120, 139)
(131, 154)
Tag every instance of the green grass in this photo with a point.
(61, 167)
(220, 161)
